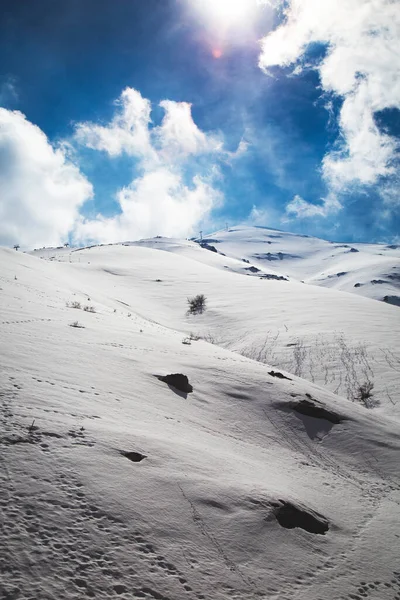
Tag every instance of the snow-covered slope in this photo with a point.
(258, 484)
(329, 337)
(326, 336)
(371, 270)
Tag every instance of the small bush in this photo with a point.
(90, 309)
(197, 304)
(77, 324)
(365, 396)
(190, 338)
(74, 304)
(210, 338)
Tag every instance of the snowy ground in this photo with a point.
(235, 491)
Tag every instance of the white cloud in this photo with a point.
(368, 154)
(128, 131)
(179, 136)
(362, 65)
(301, 209)
(178, 165)
(41, 190)
(158, 203)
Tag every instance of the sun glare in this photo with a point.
(227, 13)
(229, 9)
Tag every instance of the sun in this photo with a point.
(226, 13)
(231, 10)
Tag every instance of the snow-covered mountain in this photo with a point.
(371, 270)
(271, 479)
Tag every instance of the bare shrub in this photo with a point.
(90, 309)
(74, 304)
(192, 337)
(365, 396)
(211, 339)
(197, 304)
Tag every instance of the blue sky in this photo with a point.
(292, 124)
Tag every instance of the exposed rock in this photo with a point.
(134, 456)
(178, 381)
(290, 516)
(395, 300)
(208, 247)
(312, 409)
(277, 256)
(279, 375)
(274, 277)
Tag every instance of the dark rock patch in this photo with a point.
(395, 300)
(134, 456)
(311, 409)
(178, 381)
(378, 281)
(13, 439)
(278, 375)
(357, 285)
(274, 277)
(252, 269)
(393, 247)
(208, 247)
(274, 256)
(290, 516)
